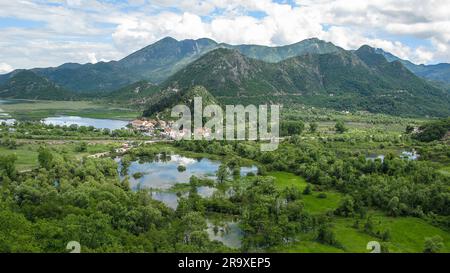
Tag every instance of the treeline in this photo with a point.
(432, 131)
(395, 185)
(68, 200)
(30, 130)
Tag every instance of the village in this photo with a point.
(164, 129)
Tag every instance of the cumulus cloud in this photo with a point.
(91, 30)
(5, 68)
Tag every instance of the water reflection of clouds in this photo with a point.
(182, 160)
(163, 175)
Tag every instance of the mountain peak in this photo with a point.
(370, 56)
(366, 48)
(167, 39)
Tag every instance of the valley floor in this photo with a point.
(367, 136)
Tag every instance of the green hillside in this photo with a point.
(27, 85)
(161, 103)
(137, 93)
(343, 80)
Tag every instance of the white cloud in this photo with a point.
(91, 30)
(5, 68)
(92, 58)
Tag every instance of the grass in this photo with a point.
(407, 236)
(285, 180)
(27, 154)
(445, 170)
(43, 109)
(313, 204)
(306, 247)
(328, 126)
(407, 233)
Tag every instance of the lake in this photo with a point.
(8, 121)
(14, 101)
(407, 155)
(410, 155)
(110, 124)
(372, 157)
(162, 175)
(227, 232)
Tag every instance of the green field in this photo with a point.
(407, 233)
(313, 203)
(27, 154)
(23, 110)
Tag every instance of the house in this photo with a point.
(143, 125)
(174, 134)
(204, 132)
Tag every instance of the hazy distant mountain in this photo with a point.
(163, 58)
(437, 72)
(26, 84)
(312, 72)
(153, 63)
(276, 54)
(156, 62)
(361, 80)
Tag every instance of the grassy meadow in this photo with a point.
(34, 110)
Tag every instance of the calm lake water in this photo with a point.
(163, 175)
(14, 101)
(110, 124)
(228, 233)
(8, 121)
(372, 157)
(408, 155)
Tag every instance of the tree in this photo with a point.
(368, 226)
(347, 207)
(45, 157)
(435, 130)
(433, 244)
(340, 127)
(7, 165)
(290, 128)
(313, 127)
(394, 206)
(16, 233)
(307, 190)
(326, 236)
(386, 235)
(222, 173)
(409, 129)
(81, 147)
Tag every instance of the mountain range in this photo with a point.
(342, 80)
(156, 62)
(25, 84)
(312, 71)
(437, 72)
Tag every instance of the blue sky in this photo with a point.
(42, 33)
